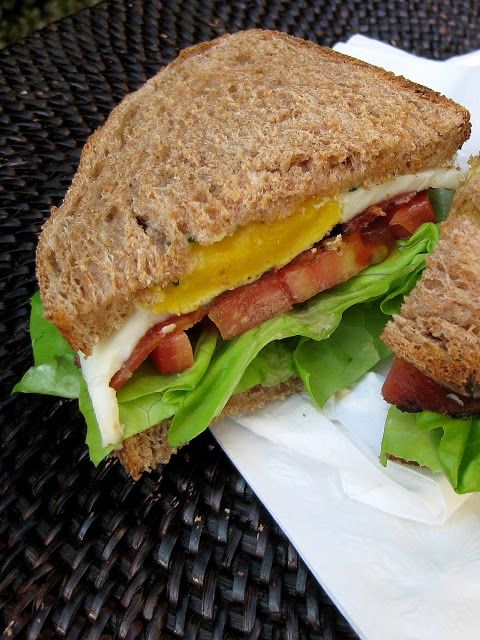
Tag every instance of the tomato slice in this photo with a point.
(408, 217)
(329, 264)
(317, 270)
(411, 390)
(311, 272)
(174, 353)
(150, 340)
(235, 312)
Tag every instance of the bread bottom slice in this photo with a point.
(146, 450)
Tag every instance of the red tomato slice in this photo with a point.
(411, 390)
(150, 340)
(235, 312)
(174, 353)
(317, 270)
(323, 268)
(408, 217)
(310, 273)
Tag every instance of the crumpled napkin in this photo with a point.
(346, 434)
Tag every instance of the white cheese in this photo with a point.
(109, 354)
(354, 202)
(107, 357)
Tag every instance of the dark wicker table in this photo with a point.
(187, 551)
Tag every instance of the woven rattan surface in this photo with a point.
(187, 552)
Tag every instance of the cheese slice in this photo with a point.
(107, 357)
(356, 201)
(245, 255)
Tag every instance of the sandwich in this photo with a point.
(434, 382)
(258, 203)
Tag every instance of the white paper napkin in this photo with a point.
(393, 577)
(346, 435)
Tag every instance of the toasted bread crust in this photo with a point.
(234, 130)
(438, 328)
(147, 450)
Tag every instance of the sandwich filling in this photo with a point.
(411, 390)
(254, 249)
(243, 258)
(431, 426)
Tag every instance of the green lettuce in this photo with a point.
(54, 372)
(302, 342)
(441, 201)
(272, 366)
(441, 443)
(353, 349)
(148, 398)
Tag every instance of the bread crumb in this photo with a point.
(333, 244)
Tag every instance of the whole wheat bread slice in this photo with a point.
(438, 328)
(234, 130)
(147, 450)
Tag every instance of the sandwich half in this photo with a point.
(221, 224)
(434, 382)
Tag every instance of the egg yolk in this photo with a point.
(247, 254)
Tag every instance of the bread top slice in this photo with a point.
(438, 328)
(238, 129)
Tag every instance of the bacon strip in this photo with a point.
(151, 340)
(380, 210)
(411, 390)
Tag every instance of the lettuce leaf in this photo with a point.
(148, 398)
(353, 349)
(441, 443)
(54, 372)
(272, 366)
(136, 417)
